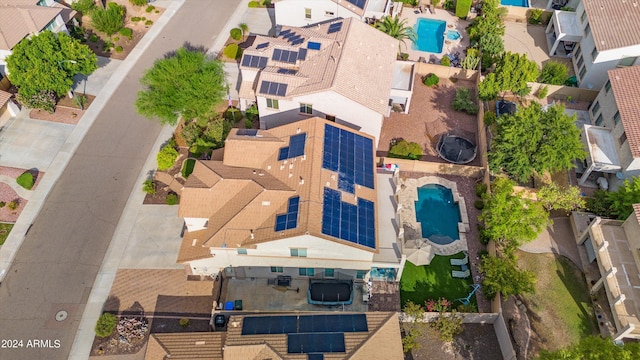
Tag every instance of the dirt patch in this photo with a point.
(7, 194)
(162, 190)
(121, 342)
(67, 111)
(476, 342)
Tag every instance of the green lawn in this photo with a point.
(433, 281)
(561, 303)
(5, 229)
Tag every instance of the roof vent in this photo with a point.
(194, 242)
(266, 203)
(304, 156)
(327, 184)
(252, 237)
(290, 174)
(291, 166)
(298, 131)
(282, 167)
(268, 167)
(301, 181)
(200, 342)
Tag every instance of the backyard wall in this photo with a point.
(4, 84)
(560, 92)
(433, 167)
(445, 72)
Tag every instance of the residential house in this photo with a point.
(615, 246)
(599, 36)
(297, 200)
(613, 139)
(306, 12)
(344, 70)
(354, 336)
(21, 18)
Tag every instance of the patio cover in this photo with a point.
(566, 28)
(602, 149)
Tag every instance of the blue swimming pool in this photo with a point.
(520, 3)
(430, 35)
(438, 214)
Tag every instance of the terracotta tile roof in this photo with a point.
(614, 24)
(381, 341)
(624, 83)
(242, 206)
(347, 5)
(357, 62)
(19, 18)
(251, 352)
(185, 346)
(4, 97)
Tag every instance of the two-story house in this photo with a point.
(344, 70)
(21, 18)
(613, 139)
(305, 12)
(298, 200)
(599, 36)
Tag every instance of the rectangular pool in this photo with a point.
(430, 35)
(520, 3)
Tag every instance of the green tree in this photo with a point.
(448, 325)
(554, 197)
(554, 73)
(187, 84)
(412, 329)
(109, 20)
(533, 140)
(462, 8)
(502, 275)
(509, 218)
(594, 348)
(623, 199)
(397, 28)
(167, 156)
(491, 45)
(513, 72)
(83, 6)
(47, 62)
(244, 28)
(491, 21)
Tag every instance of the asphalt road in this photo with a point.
(56, 266)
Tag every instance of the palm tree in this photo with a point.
(245, 29)
(397, 28)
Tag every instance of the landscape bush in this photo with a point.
(463, 102)
(232, 51)
(171, 199)
(252, 112)
(248, 124)
(167, 156)
(135, 18)
(489, 118)
(149, 187)
(236, 33)
(2, 204)
(448, 5)
(431, 79)
(138, 2)
(119, 49)
(93, 38)
(542, 92)
(109, 20)
(481, 189)
(554, 73)
(25, 180)
(148, 23)
(127, 32)
(233, 114)
(13, 205)
(108, 44)
(106, 324)
(462, 8)
(83, 6)
(445, 61)
(254, 4)
(478, 204)
(150, 8)
(406, 150)
(45, 100)
(535, 16)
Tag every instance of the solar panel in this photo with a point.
(351, 156)
(262, 46)
(358, 3)
(315, 343)
(290, 219)
(335, 27)
(286, 71)
(247, 132)
(354, 223)
(315, 357)
(273, 88)
(295, 148)
(253, 61)
(302, 54)
(285, 32)
(260, 325)
(297, 42)
(288, 34)
(284, 55)
(313, 45)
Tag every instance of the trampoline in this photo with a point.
(456, 149)
(330, 292)
(505, 107)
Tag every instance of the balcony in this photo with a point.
(563, 33)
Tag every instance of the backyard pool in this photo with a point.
(520, 3)
(438, 214)
(430, 35)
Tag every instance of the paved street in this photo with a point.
(56, 266)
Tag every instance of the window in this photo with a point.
(42, 3)
(273, 104)
(599, 120)
(298, 252)
(277, 269)
(582, 72)
(577, 51)
(594, 54)
(306, 271)
(52, 25)
(580, 62)
(360, 274)
(328, 273)
(306, 109)
(628, 61)
(329, 13)
(594, 108)
(616, 118)
(622, 138)
(307, 13)
(607, 86)
(587, 30)
(583, 16)
(242, 251)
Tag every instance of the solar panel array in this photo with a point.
(312, 343)
(315, 357)
(247, 132)
(354, 223)
(314, 45)
(284, 56)
(259, 62)
(290, 219)
(262, 46)
(335, 27)
(358, 3)
(302, 54)
(295, 148)
(287, 71)
(291, 324)
(273, 88)
(350, 155)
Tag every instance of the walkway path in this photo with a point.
(558, 239)
(22, 192)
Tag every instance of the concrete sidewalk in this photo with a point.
(94, 83)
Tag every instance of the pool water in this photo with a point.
(453, 35)
(520, 3)
(438, 214)
(430, 35)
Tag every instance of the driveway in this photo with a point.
(558, 239)
(56, 266)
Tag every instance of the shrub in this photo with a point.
(45, 100)
(115, 39)
(149, 187)
(232, 51)
(13, 205)
(233, 114)
(252, 112)
(25, 180)
(109, 20)
(489, 118)
(118, 49)
(479, 204)
(187, 167)
(448, 325)
(535, 16)
(171, 199)
(554, 73)
(166, 157)
(406, 150)
(93, 38)
(107, 45)
(138, 2)
(463, 102)
(254, 4)
(248, 124)
(236, 33)
(2, 204)
(542, 92)
(184, 322)
(127, 32)
(448, 5)
(462, 8)
(430, 80)
(148, 23)
(106, 324)
(445, 61)
(482, 234)
(150, 8)
(83, 6)
(136, 19)
(481, 189)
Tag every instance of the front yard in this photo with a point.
(5, 229)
